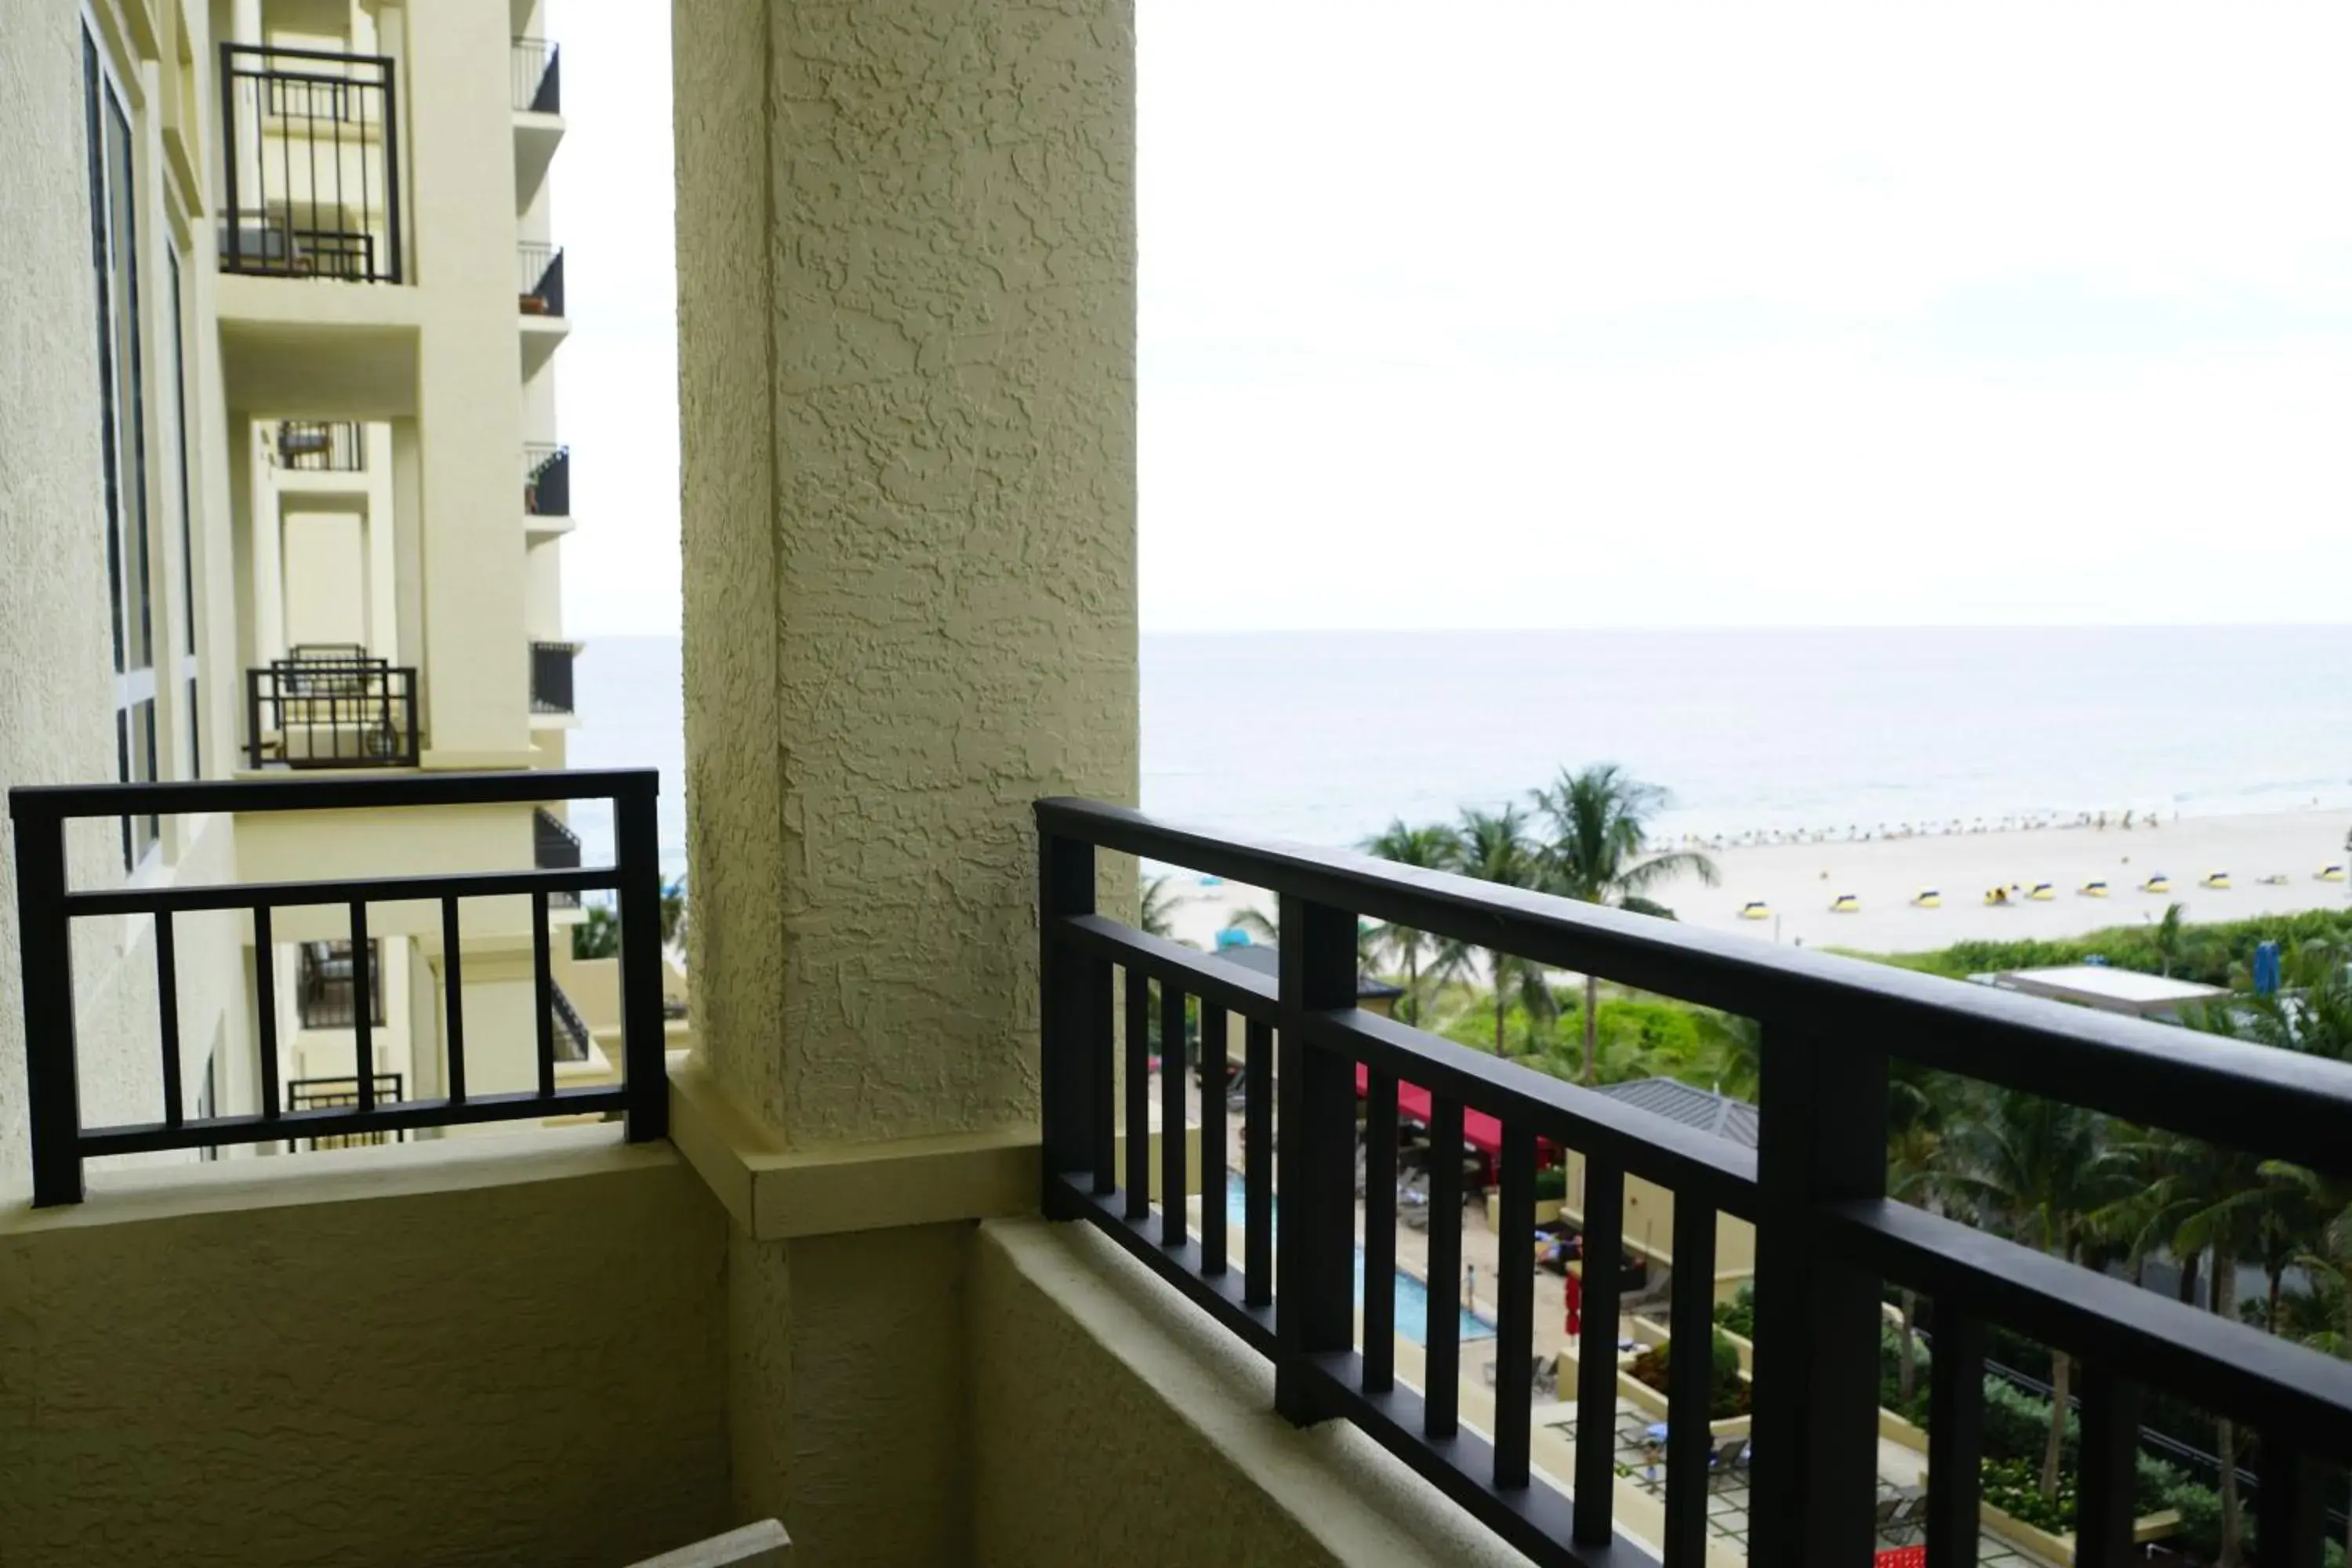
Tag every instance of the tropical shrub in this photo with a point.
(1728, 1392)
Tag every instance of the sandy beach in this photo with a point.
(1798, 882)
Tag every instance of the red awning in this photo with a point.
(1480, 1131)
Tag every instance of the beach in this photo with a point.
(1797, 882)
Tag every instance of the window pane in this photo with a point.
(109, 443)
(145, 830)
(179, 373)
(132, 421)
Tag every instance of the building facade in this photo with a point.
(285, 495)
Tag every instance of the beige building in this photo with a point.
(285, 497)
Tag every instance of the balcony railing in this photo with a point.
(326, 1093)
(310, 165)
(331, 707)
(540, 274)
(46, 906)
(1828, 1238)
(546, 480)
(321, 446)
(551, 677)
(555, 847)
(538, 77)
(571, 1040)
(326, 984)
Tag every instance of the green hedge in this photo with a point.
(2207, 952)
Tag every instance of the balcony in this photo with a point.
(537, 71)
(1059, 1336)
(319, 447)
(554, 847)
(546, 488)
(551, 679)
(330, 706)
(326, 986)
(311, 172)
(539, 300)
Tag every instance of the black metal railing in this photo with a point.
(321, 446)
(546, 480)
(337, 708)
(48, 905)
(551, 677)
(555, 847)
(1828, 1238)
(537, 76)
(571, 1037)
(310, 165)
(329, 1093)
(540, 269)
(326, 989)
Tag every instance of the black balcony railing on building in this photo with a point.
(332, 1093)
(540, 269)
(572, 1039)
(310, 165)
(1828, 1238)
(321, 446)
(555, 847)
(331, 707)
(538, 77)
(326, 987)
(551, 677)
(46, 906)
(546, 480)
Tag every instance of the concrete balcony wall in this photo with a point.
(429, 1353)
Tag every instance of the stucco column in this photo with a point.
(906, 236)
(460, 220)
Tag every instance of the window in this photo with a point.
(114, 249)
(177, 343)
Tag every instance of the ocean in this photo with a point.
(1323, 737)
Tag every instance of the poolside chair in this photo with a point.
(1729, 1456)
(1889, 1510)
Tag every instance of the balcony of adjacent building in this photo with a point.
(539, 302)
(537, 71)
(546, 490)
(553, 703)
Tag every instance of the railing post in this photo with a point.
(45, 942)
(1314, 1300)
(1071, 1053)
(1823, 1140)
(637, 855)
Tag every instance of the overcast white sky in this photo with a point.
(1508, 313)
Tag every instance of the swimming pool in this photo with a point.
(1412, 1294)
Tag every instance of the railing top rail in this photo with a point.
(55, 801)
(2234, 1092)
(274, 50)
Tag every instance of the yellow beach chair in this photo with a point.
(2216, 881)
(1845, 904)
(1927, 899)
(2094, 888)
(1756, 910)
(2160, 883)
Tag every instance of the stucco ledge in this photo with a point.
(774, 1194)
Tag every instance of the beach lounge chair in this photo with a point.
(1927, 898)
(2158, 883)
(1845, 904)
(1755, 910)
(2331, 873)
(2094, 888)
(1729, 1456)
(2216, 881)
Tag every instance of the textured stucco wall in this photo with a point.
(523, 1365)
(846, 1382)
(1111, 1422)
(906, 277)
(57, 703)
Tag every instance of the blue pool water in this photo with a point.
(1412, 1294)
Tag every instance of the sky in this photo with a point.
(1502, 313)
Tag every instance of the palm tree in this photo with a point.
(1256, 925)
(2327, 1257)
(2038, 1170)
(598, 934)
(673, 912)
(1737, 1059)
(1914, 1174)
(2169, 939)
(1494, 847)
(1155, 910)
(1598, 818)
(1432, 847)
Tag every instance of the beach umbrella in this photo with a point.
(2266, 969)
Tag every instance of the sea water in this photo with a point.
(1324, 737)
